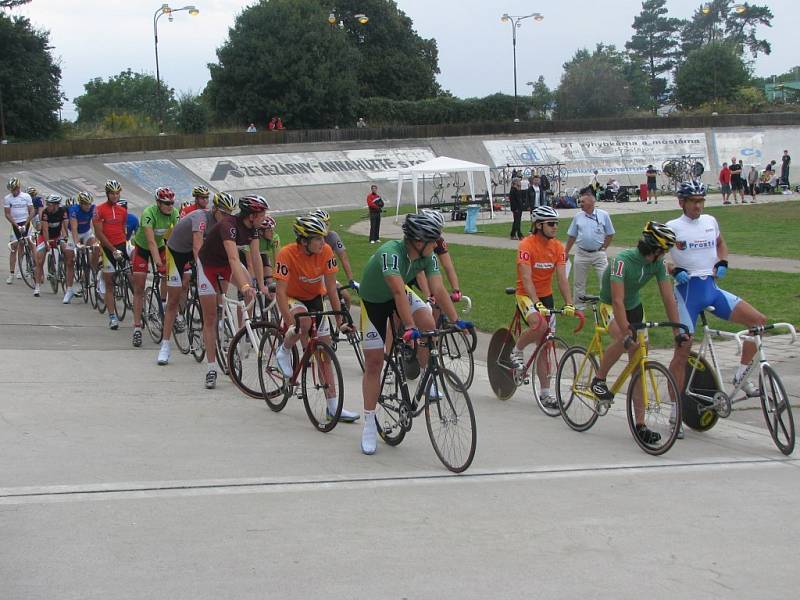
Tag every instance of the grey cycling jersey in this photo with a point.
(334, 241)
(181, 238)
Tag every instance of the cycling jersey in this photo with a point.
(303, 273)
(543, 255)
(84, 218)
(18, 206)
(231, 228)
(38, 202)
(160, 223)
(632, 270)
(182, 237)
(54, 220)
(392, 259)
(334, 241)
(696, 247)
(113, 218)
(272, 246)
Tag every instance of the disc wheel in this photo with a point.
(548, 355)
(316, 387)
(451, 423)
(392, 410)
(659, 409)
(243, 359)
(455, 354)
(498, 364)
(777, 410)
(695, 411)
(576, 402)
(153, 316)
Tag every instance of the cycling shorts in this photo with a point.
(526, 307)
(51, 243)
(375, 316)
(15, 235)
(140, 261)
(700, 293)
(313, 305)
(109, 263)
(634, 315)
(177, 264)
(83, 239)
(207, 278)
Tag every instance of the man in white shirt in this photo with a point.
(591, 232)
(18, 208)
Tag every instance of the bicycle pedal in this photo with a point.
(526, 380)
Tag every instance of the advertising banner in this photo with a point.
(756, 147)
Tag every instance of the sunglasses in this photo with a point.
(551, 223)
(168, 203)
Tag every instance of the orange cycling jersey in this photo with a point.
(543, 255)
(304, 274)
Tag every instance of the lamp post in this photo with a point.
(165, 9)
(516, 21)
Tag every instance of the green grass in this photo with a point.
(755, 230)
(485, 272)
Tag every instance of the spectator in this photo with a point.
(545, 183)
(361, 123)
(752, 182)
(251, 128)
(535, 194)
(785, 162)
(516, 205)
(594, 183)
(278, 123)
(652, 190)
(736, 181)
(591, 232)
(271, 124)
(375, 206)
(725, 183)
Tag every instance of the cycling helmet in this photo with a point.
(423, 227)
(122, 202)
(85, 198)
(544, 213)
(691, 188)
(13, 184)
(435, 215)
(200, 190)
(252, 204)
(112, 185)
(187, 204)
(164, 194)
(54, 199)
(321, 214)
(308, 226)
(224, 202)
(658, 236)
(268, 223)
(71, 202)
(32, 191)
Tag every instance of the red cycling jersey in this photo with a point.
(113, 218)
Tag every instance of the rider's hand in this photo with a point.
(721, 268)
(264, 290)
(455, 295)
(353, 284)
(411, 334)
(568, 310)
(157, 262)
(461, 324)
(542, 309)
(345, 328)
(681, 276)
(682, 338)
(118, 255)
(249, 293)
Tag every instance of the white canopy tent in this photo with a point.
(443, 164)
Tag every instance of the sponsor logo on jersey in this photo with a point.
(544, 265)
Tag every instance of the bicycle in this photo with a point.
(54, 269)
(276, 388)
(705, 398)
(153, 306)
(242, 359)
(439, 192)
(440, 394)
(656, 399)
(26, 258)
(457, 347)
(83, 271)
(504, 378)
(353, 335)
(193, 319)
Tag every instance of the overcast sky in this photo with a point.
(100, 38)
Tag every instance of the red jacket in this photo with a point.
(725, 176)
(371, 198)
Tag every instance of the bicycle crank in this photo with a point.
(602, 408)
(722, 404)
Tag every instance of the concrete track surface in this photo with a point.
(122, 479)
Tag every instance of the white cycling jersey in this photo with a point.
(18, 206)
(696, 247)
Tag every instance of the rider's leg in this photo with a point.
(139, 281)
(69, 259)
(745, 314)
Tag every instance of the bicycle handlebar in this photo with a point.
(762, 328)
(651, 324)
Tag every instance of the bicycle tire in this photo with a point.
(223, 343)
(354, 339)
(52, 272)
(663, 412)
(498, 364)
(153, 314)
(392, 412)
(100, 299)
(243, 359)
(551, 352)
(455, 355)
(274, 385)
(704, 382)
(194, 325)
(26, 262)
(777, 410)
(576, 402)
(316, 404)
(181, 336)
(449, 416)
(120, 287)
(86, 279)
(62, 273)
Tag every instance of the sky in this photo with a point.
(101, 38)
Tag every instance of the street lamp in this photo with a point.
(516, 21)
(165, 10)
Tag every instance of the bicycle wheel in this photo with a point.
(576, 402)
(26, 262)
(354, 338)
(334, 333)
(153, 314)
(180, 331)
(86, 280)
(392, 414)
(498, 363)
(696, 412)
(777, 410)
(52, 272)
(315, 390)
(62, 273)
(451, 422)
(455, 355)
(120, 291)
(274, 385)
(194, 326)
(243, 359)
(661, 409)
(546, 361)
(100, 299)
(224, 337)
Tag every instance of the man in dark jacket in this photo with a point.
(516, 202)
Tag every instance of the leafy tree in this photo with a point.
(283, 58)
(192, 114)
(654, 43)
(718, 20)
(12, 3)
(128, 92)
(29, 80)
(541, 98)
(713, 71)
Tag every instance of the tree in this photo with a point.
(192, 114)
(713, 71)
(12, 3)
(283, 58)
(541, 98)
(654, 43)
(128, 92)
(719, 20)
(29, 80)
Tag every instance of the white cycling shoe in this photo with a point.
(164, 353)
(369, 437)
(284, 358)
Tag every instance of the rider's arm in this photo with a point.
(345, 260)
(668, 298)
(150, 236)
(45, 228)
(238, 274)
(73, 227)
(423, 285)
(7, 210)
(398, 289)
(101, 236)
(283, 301)
(333, 296)
(257, 265)
(449, 270)
(197, 243)
(526, 276)
(722, 248)
(563, 283)
(30, 215)
(64, 229)
(442, 297)
(618, 305)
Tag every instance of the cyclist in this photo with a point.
(442, 253)
(333, 240)
(182, 247)
(148, 244)
(700, 259)
(131, 223)
(53, 234)
(201, 195)
(269, 242)
(81, 213)
(219, 257)
(109, 222)
(305, 272)
(540, 255)
(38, 206)
(18, 208)
(621, 307)
(384, 291)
